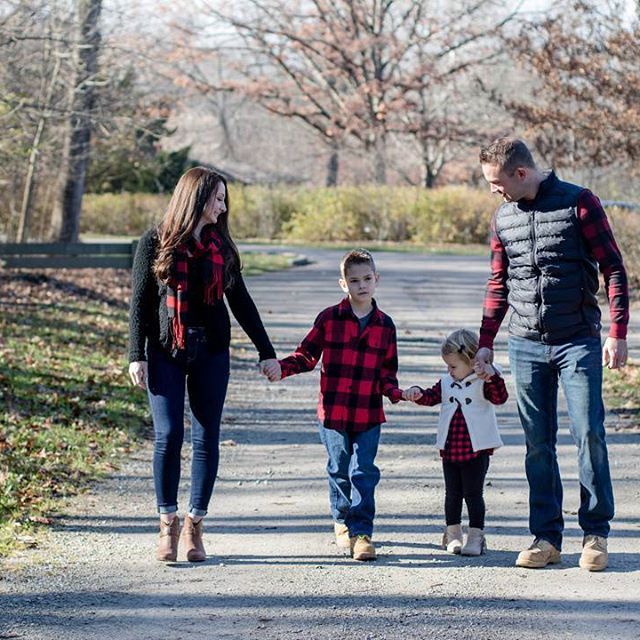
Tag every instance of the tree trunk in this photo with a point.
(332, 167)
(29, 183)
(430, 175)
(65, 222)
(380, 159)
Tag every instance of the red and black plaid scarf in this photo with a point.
(210, 246)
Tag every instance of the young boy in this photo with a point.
(357, 343)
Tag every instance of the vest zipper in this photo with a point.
(534, 240)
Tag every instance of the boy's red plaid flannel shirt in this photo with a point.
(358, 368)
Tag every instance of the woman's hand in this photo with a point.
(271, 368)
(138, 373)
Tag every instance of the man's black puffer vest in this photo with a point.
(552, 277)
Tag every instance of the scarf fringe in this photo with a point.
(214, 289)
(178, 330)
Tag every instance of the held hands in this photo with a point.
(482, 364)
(271, 369)
(138, 372)
(412, 394)
(614, 353)
(483, 371)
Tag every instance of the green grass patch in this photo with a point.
(622, 395)
(68, 414)
(67, 411)
(254, 262)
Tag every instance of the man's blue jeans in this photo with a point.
(205, 376)
(537, 369)
(353, 477)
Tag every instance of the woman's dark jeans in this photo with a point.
(205, 376)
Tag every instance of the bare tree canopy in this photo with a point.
(365, 69)
(585, 106)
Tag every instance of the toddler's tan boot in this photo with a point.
(476, 544)
(452, 538)
(167, 550)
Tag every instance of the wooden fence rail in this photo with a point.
(70, 255)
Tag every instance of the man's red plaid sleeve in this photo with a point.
(600, 241)
(496, 304)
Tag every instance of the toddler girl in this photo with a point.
(467, 435)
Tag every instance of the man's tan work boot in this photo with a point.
(452, 538)
(192, 540)
(538, 555)
(167, 550)
(595, 556)
(362, 548)
(342, 535)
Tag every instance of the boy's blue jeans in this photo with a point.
(537, 369)
(353, 477)
(205, 376)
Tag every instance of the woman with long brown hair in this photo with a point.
(179, 339)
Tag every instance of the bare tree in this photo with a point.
(584, 109)
(65, 221)
(365, 69)
(33, 61)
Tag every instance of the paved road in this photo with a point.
(274, 572)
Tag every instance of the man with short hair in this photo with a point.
(549, 239)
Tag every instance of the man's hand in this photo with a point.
(614, 353)
(271, 368)
(482, 364)
(483, 370)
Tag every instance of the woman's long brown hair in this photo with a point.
(190, 197)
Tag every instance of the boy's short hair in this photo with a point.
(356, 256)
(507, 153)
(463, 343)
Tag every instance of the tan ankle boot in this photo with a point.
(167, 550)
(192, 540)
(475, 544)
(452, 538)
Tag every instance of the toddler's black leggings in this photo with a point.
(465, 480)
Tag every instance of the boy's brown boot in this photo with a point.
(362, 548)
(452, 538)
(192, 540)
(342, 535)
(167, 550)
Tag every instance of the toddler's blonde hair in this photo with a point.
(463, 343)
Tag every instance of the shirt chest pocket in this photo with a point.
(373, 342)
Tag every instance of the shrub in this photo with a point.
(121, 213)
(260, 212)
(626, 227)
